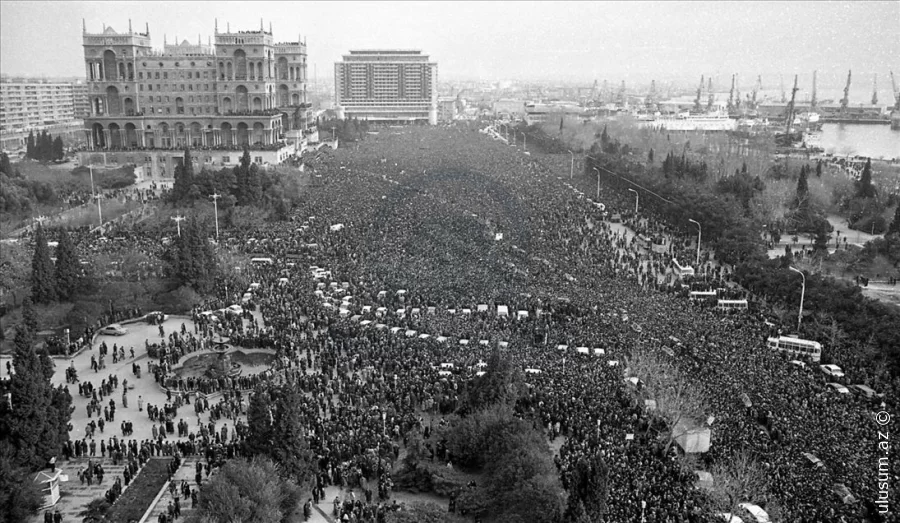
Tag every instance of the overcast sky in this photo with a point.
(573, 41)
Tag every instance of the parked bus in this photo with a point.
(702, 296)
(682, 271)
(732, 305)
(805, 349)
(265, 261)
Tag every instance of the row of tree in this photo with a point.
(19, 195)
(54, 282)
(190, 259)
(736, 239)
(34, 424)
(244, 185)
(44, 147)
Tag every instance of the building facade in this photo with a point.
(243, 89)
(398, 86)
(35, 106)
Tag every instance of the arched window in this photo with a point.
(240, 65)
(112, 100)
(109, 65)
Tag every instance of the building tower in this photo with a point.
(240, 90)
(111, 60)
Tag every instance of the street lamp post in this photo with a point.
(802, 295)
(598, 183)
(524, 142)
(637, 198)
(178, 220)
(95, 196)
(99, 210)
(699, 232)
(215, 197)
(572, 166)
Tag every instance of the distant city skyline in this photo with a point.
(565, 42)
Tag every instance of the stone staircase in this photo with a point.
(186, 472)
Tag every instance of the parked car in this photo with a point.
(837, 387)
(114, 330)
(832, 370)
(156, 317)
(235, 310)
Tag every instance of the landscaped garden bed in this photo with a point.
(136, 499)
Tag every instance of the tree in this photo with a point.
(43, 280)
(788, 259)
(29, 318)
(864, 187)
(278, 431)
(68, 267)
(740, 480)
(677, 402)
(819, 169)
(58, 150)
(34, 426)
(184, 178)
(254, 185)
(20, 496)
(30, 146)
(650, 156)
(5, 165)
(242, 178)
(895, 225)
(248, 491)
(191, 259)
(588, 490)
(801, 199)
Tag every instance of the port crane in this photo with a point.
(813, 102)
(895, 114)
(875, 90)
(788, 138)
(699, 93)
(896, 92)
(845, 101)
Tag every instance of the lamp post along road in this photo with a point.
(178, 220)
(802, 296)
(95, 196)
(215, 197)
(572, 166)
(637, 198)
(598, 183)
(699, 232)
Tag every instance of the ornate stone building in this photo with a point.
(146, 105)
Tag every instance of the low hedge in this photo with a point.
(136, 499)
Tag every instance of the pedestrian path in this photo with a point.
(186, 472)
(75, 495)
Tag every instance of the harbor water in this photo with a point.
(870, 140)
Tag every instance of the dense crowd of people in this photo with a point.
(444, 245)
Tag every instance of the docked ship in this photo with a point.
(687, 122)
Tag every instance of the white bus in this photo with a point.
(701, 296)
(266, 261)
(682, 271)
(732, 305)
(803, 349)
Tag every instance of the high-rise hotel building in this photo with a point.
(146, 105)
(386, 86)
